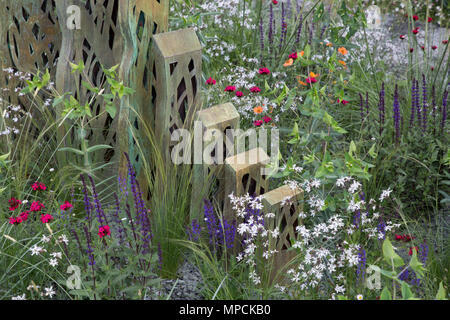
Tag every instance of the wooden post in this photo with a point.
(285, 203)
(178, 64)
(243, 175)
(221, 118)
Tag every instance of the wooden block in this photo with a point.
(243, 175)
(220, 117)
(178, 62)
(286, 204)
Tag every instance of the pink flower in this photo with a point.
(46, 218)
(264, 71)
(430, 19)
(230, 88)
(416, 30)
(267, 119)
(211, 81)
(444, 41)
(12, 220)
(66, 205)
(36, 206)
(258, 123)
(415, 18)
(344, 102)
(311, 80)
(293, 56)
(434, 47)
(239, 94)
(24, 215)
(38, 186)
(255, 89)
(104, 231)
(14, 203)
(402, 37)
(274, 1)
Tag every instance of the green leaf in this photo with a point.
(98, 147)
(416, 265)
(385, 294)
(389, 254)
(352, 150)
(69, 149)
(406, 291)
(111, 109)
(441, 295)
(372, 152)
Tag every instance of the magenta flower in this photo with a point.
(258, 123)
(104, 231)
(211, 81)
(230, 89)
(255, 89)
(239, 94)
(264, 71)
(46, 218)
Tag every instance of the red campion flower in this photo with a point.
(411, 49)
(230, 89)
(46, 218)
(402, 37)
(38, 186)
(267, 119)
(344, 102)
(293, 56)
(36, 206)
(239, 94)
(255, 89)
(258, 123)
(416, 30)
(398, 237)
(211, 81)
(104, 231)
(444, 41)
(24, 215)
(264, 71)
(311, 80)
(66, 205)
(14, 203)
(434, 47)
(423, 48)
(415, 18)
(430, 19)
(274, 1)
(13, 221)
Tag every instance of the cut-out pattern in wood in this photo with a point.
(222, 118)
(178, 59)
(243, 175)
(285, 203)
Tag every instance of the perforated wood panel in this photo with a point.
(286, 204)
(243, 175)
(178, 60)
(221, 118)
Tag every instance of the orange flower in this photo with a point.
(313, 75)
(302, 53)
(258, 109)
(329, 44)
(288, 62)
(342, 62)
(342, 51)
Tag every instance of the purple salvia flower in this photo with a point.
(270, 35)
(194, 231)
(120, 230)
(396, 115)
(361, 106)
(87, 202)
(226, 234)
(357, 218)
(89, 250)
(423, 253)
(433, 105)
(283, 25)
(322, 32)
(424, 102)
(381, 228)
(98, 207)
(289, 9)
(361, 268)
(404, 275)
(211, 222)
(417, 102)
(444, 110)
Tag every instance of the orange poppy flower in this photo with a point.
(342, 51)
(313, 75)
(302, 53)
(288, 62)
(342, 62)
(258, 109)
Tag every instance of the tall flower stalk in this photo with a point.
(396, 116)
